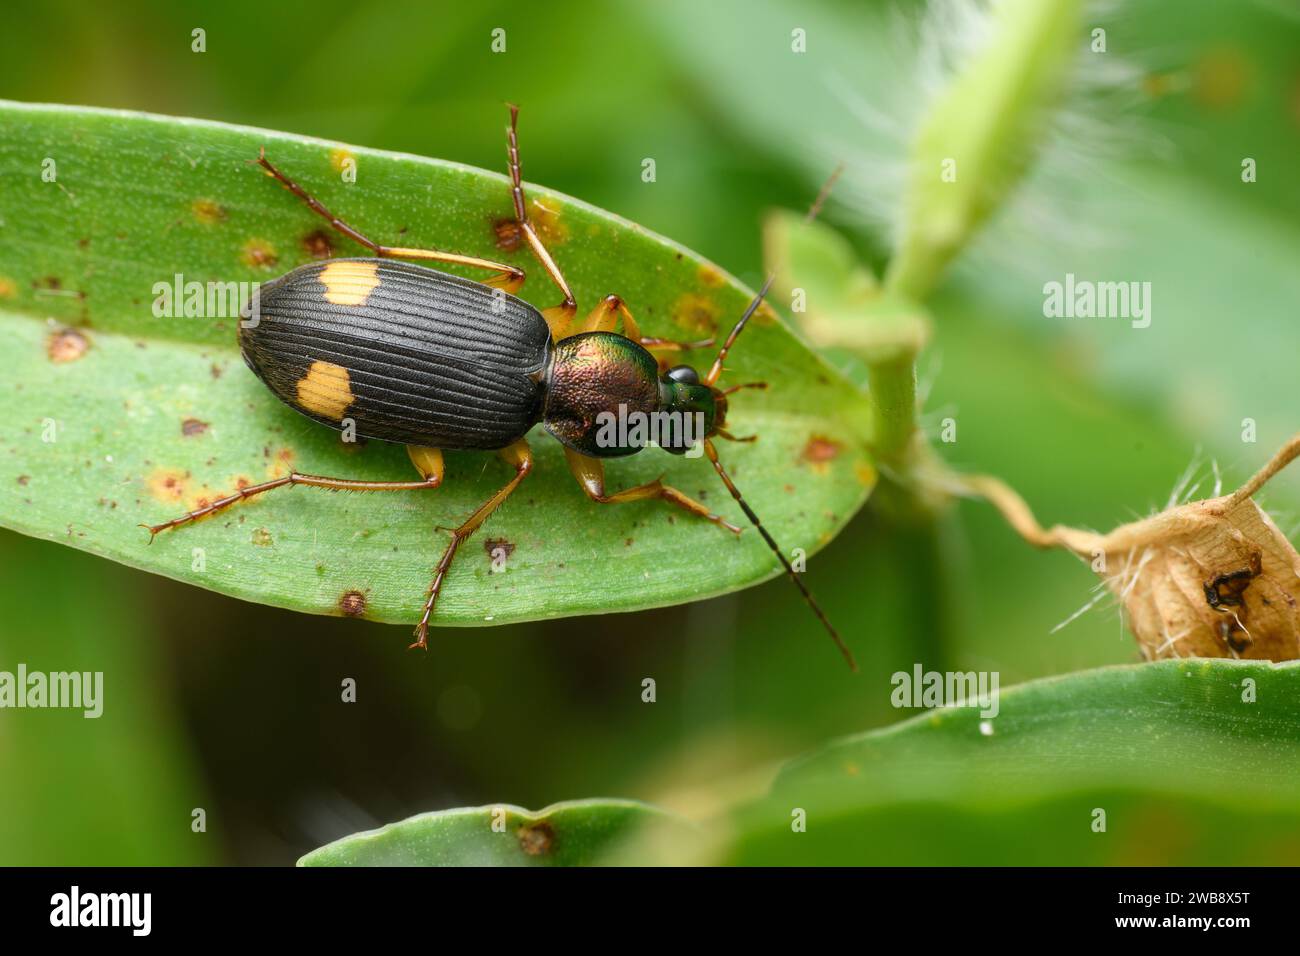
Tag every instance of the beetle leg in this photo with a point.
(604, 318)
(507, 277)
(590, 474)
(558, 317)
(427, 460)
(521, 457)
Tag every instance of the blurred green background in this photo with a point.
(235, 708)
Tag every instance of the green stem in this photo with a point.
(915, 269)
(893, 396)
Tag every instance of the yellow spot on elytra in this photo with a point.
(325, 390)
(349, 283)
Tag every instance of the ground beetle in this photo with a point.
(434, 361)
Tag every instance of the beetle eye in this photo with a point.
(683, 375)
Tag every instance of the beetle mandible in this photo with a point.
(434, 361)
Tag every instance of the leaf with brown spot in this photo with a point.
(318, 244)
(66, 345)
(259, 254)
(819, 451)
(574, 833)
(208, 212)
(353, 604)
(161, 372)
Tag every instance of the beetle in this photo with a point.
(433, 361)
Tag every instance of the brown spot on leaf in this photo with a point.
(820, 452)
(547, 219)
(51, 283)
(259, 254)
(536, 839)
(168, 484)
(23, 479)
(696, 313)
(66, 345)
(498, 548)
(280, 463)
(710, 275)
(262, 538)
(352, 604)
(207, 212)
(318, 244)
(507, 233)
(193, 426)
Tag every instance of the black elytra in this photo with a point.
(429, 358)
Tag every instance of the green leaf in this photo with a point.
(1194, 761)
(843, 306)
(151, 415)
(575, 833)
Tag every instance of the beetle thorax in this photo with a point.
(601, 385)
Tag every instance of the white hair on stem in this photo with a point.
(1094, 124)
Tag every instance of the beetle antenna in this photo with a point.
(716, 371)
(785, 562)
